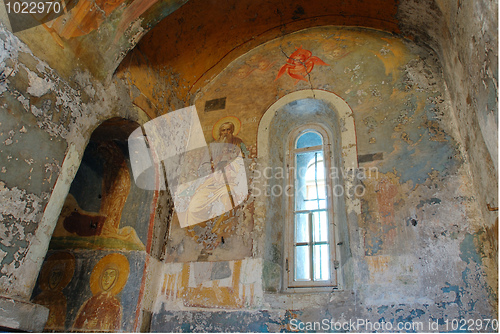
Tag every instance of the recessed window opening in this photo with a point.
(311, 218)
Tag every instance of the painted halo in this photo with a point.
(111, 261)
(231, 119)
(66, 262)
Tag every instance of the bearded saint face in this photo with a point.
(226, 132)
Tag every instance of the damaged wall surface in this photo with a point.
(408, 90)
(415, 239)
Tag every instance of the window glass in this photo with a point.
(321, 262)
(302, 256)
(302, 227)
(310, 235)
(309, 139)
(310, 187)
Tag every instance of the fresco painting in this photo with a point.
(256, 64)
(85, 17)
(97, 292)
(115, 190)
(399, 131)
(103, 311)
(55, 275)
(419, 243)
(300, 64)
(208, 237)
(103, 184)
(225, 284)
(225, 131)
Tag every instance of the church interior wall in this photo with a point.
(419, 245)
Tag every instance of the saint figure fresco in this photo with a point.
(225, 131)
(103, 311)
(56, 273)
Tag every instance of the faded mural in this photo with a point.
(417, 251)
(55, 275)
(414, 238)
(102, 202)
(83, 276)
(421, 243)
(103, 310)
(89, 291)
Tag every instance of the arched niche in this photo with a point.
(285, 115)
(104, 209)
(103, 213)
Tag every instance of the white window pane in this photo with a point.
(309, 139)
(321, 259)
(315, 169)
(320, 226)
(316, 191)
(302, 263)
(310, 188)
(301, 228)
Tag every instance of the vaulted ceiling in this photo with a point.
(202, 37)
(193, 38)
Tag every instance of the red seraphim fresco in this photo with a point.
(299, 65)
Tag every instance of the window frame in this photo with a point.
(290, 285)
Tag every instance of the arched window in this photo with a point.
(310, 227)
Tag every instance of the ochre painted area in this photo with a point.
(200, 39)
(222, 285)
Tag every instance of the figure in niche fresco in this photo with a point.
(105, 224)
(115, 190)
(299, 65)
(103, 311)
(55, 275)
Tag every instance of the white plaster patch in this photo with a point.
(251, 271)
(19, 204)
(24, 101)
(84, 80)
(5, 236)
(38, 86)
(2, 255)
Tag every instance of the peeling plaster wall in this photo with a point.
(417, 242)
(45, 124)
(464, 35)
(424, 245)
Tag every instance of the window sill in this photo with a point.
(310, 290)
(287, 300)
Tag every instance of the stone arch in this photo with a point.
(343, 131)
(135, 232)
